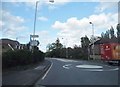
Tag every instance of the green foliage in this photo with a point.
(109, 34)
(21, 58)
(118, 29)
(118, 32)
(54, 49)
(57, 45)
(102, 35)
(85, 42)
(76, 53)
(112, 35)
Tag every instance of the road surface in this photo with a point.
(73, 72)
(23, 77)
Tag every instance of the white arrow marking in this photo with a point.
(67, 66)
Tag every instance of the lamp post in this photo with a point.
(35, 18)
(52, 1)
(32, 42)
(93, 38)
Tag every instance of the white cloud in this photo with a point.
(106, 5)
(73, 29)
(109, 0)
(58, 2)
(1, 25)
(42, 18)
(19, 0)
(44, 38)
(61, 0)
(13, 25)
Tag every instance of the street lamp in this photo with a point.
(93, 38)
(35, 18)
(52, 1)
(35, 36)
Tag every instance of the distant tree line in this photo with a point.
(110, 34)
(57, 50)
(118, 32)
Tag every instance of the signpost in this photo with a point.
(34, 43)
(34, 36)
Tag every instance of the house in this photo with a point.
(96, 49)
(97, 46)
(8, 44)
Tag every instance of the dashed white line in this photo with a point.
(47, 72)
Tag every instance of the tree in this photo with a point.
(102, 35)
(58, 45)
(118, 32)
(107, 34)
(54, 49)
(85, 44)
(77, 53)
(112, 35)
(50, 47)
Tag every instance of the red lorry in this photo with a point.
(110, 52)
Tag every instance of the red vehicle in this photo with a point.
(110, 52)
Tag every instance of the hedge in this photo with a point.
(21, 58)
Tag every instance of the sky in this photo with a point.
(67, 20)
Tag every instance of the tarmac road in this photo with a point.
(74, 72)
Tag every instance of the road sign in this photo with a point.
(34, 43)
(34, 36)
(52, 1)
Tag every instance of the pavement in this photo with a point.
(25, 77)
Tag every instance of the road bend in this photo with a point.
(77, 72)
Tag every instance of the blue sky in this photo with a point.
(66, 20)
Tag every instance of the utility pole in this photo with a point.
(32, 37)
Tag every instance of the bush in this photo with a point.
(38, 56)
(21, 58)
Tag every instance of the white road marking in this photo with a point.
(109, 66)
(65, 60)
(103, 70)
(67, 66)
(47, 72)
(89, 66)
(95, 68)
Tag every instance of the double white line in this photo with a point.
(47, 71)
